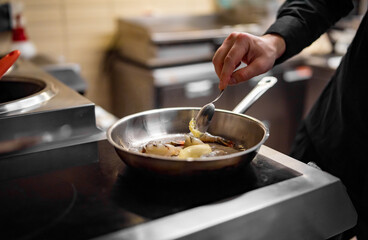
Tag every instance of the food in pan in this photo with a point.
(196, 133)
(195, 151)
(192, 145)
(162, 149)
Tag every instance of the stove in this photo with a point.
(275, 197)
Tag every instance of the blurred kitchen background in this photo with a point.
(128, 56)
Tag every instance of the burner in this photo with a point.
(153, 198)
(22, 94)
(35, 105)
(36, 207)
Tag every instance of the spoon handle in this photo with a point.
(262, 86)
(218, 96)
(7, 61)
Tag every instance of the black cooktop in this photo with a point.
(95, 199)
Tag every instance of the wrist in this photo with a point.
(276, 42)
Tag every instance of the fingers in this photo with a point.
(237, 52)
(222, 51)
(259, 53)
(229, 56)
(222, 59)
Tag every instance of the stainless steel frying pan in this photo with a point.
(133, 131)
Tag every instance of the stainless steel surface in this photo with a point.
(314, 205)
(135, 130)
(45, 108)
(30, 92)
(262, 86)
(159, 41)
(204, 116)
(69, 74)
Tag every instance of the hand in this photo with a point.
(259, 53)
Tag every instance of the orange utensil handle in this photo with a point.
(7, 61)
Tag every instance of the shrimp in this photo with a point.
(191, 140)
(206, 137)
(162, 149)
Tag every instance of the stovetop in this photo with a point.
(105, 196)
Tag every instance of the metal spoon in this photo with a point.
(204, 116)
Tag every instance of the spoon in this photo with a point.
(204, 116)
(7, 61)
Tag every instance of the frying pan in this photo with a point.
(133, 131)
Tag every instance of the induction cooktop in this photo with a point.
(107, 200)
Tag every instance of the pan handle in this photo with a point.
(262, 86)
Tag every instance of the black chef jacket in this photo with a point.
(335, 133)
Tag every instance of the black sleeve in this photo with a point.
(301, 22)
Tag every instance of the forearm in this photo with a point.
(301, 22)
